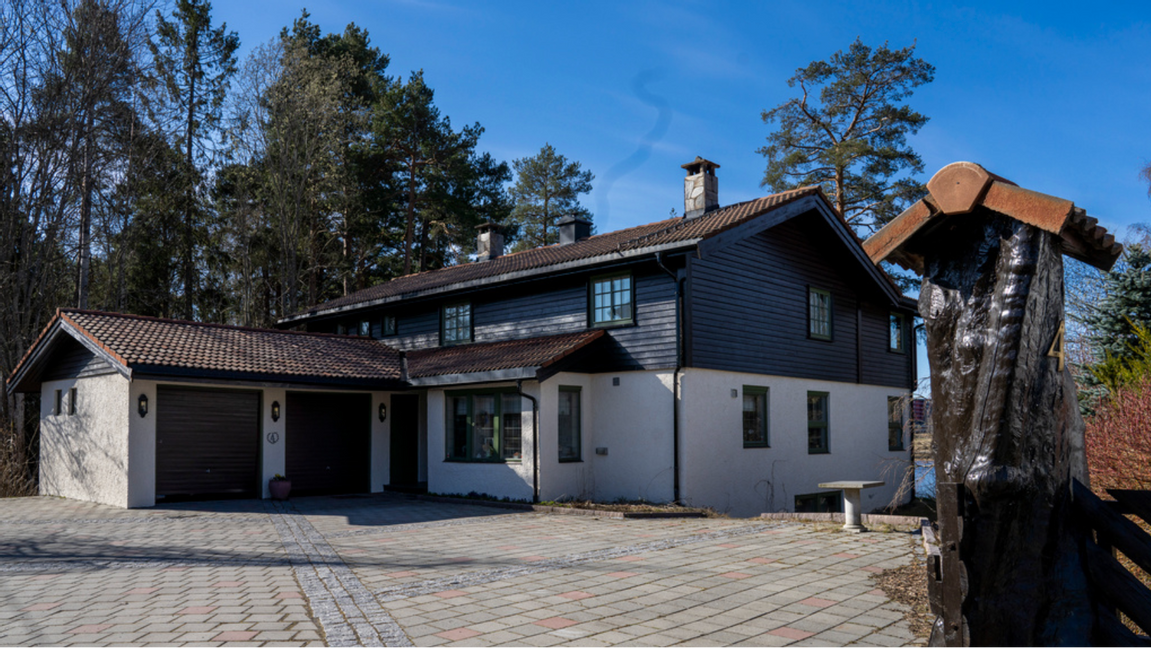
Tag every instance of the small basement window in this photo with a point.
(755, 417)
(611, 300)
(897, 336)
(819, 503)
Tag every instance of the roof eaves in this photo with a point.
(615, 255)
(26, 360)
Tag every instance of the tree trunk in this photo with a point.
(410, 231)
(1007, 434)
(86, 190)
(189, 232)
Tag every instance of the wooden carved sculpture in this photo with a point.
(1008, 434)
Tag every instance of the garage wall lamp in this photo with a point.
(383, 412)
(142, 405)
(275, 411)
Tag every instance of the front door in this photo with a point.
(405, 445)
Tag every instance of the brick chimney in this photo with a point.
(700, 188)
(489, 242)
(572, 229)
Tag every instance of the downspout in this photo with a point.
(535, 441)
(675, 376)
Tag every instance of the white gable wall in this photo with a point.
(85, 456)
(717, 471)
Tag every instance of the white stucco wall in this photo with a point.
(511, 480)
(381, 442)
(717, 471)
(634, 422)
(84, 456)
(141, 445)
(569, 479)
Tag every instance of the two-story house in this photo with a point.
(734, 357)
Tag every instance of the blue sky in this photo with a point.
(1054, 96)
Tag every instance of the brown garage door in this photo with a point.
(328, 439)
(207, 443)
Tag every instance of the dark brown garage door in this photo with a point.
(207, 443)
(328, 439)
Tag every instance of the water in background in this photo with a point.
(924, 479)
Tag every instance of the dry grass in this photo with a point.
(908, 585)
(16, 476)
(633, 507)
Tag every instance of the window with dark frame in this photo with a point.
(59, 402)
(819, 503)
(895, 423)
(755, 417)
(897, 336)
(365, 328)
(819, 311)
(818, 438)
(388, 326)
(484, 426)
(72, 402)
(569, 424)
(456, 324)
(611, 300)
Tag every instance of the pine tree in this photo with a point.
(853, 140)
(194, 63)
(1126, 305)
(547, 189)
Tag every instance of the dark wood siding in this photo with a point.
(881, 366)
(71, 359)
(749, 309)
(549, 306)
(207, 442)
(328, 439)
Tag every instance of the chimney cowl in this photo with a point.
(700, 188)
(573, 228)
(489, 242)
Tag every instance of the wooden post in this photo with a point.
(1008, 437)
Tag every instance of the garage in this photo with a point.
(328, 442)
(207, 443)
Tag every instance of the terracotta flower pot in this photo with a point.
(280, 488)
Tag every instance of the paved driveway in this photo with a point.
(389, 570)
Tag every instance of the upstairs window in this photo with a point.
(818, 434)
(611, 300)
(895, 423)
(364, 328)
(755, 417)
(897, 336)
(388, 326)
(484, 425)
(819, 314)
(456, 324)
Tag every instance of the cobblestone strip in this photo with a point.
(397, 528)
(148, 520)
(469, 579)
(348, 612)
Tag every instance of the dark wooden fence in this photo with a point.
(1113, 584)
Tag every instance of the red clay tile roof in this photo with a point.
(149, 342)
(670, 231)
(961, 187)
(494, 356)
